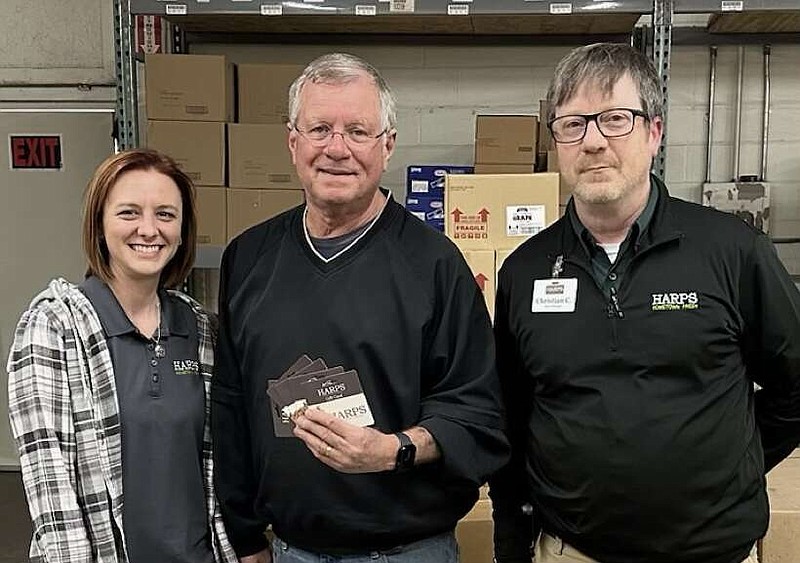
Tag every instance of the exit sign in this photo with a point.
(37, 152)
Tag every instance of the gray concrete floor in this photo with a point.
(15, 522)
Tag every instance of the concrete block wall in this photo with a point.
(56, 44)
(440, 89)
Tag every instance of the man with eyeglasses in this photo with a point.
(353, 279)
(629, 336)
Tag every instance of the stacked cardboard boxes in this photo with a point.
(505, 144)
(782, 542)
(242, 170)
(189, 100)
(478, 207)
(489, 213)
(261, 177)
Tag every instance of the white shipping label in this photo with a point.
(402, 6)
(419, 186)
(524, 220)
(457, 10)
(362, 10)
(554, 295)
(176, 9)
(271, 9)
(732, 6)
(561, 8)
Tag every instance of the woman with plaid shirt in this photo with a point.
(109, 383)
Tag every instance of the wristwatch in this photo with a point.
(406, 454)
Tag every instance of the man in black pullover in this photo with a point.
(629, 337)
(353, 279)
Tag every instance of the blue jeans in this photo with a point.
(438, 549)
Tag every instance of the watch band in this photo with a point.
(404, 439)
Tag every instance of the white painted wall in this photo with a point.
(441, 88)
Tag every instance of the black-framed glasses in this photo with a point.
(322, 134)
(614, 122)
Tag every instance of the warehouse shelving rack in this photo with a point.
(447, 22)
(508, 21)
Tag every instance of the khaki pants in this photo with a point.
(550, 549)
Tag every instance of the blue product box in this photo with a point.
(426, 179)
(428, 207)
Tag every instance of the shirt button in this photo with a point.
(612, 276)
(153, 362)
(150, 346)
(155, 379)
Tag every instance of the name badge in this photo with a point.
(554, 295)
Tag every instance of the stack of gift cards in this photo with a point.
(311, 383)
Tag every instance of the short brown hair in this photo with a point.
(105, 177)
(604, 64)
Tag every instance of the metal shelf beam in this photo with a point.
(716, 6)
(440, 7)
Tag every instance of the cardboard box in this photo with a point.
(260, 158)
(481, 262)
(503, 169)
(500, 210)
(505, 139)
(264, 92)
(475, 534)
(212, 217)
(189, 87)
(197, 146)
(544, 138)
(249, 207)
(428, 207)
(782, 542)
(425, 179)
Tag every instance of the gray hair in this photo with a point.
(340, 68)
(604, 64)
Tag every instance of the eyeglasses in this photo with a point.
(615, 122)
(320, 135)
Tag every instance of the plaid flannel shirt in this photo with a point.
(65, 420)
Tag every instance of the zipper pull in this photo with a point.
(613, 306)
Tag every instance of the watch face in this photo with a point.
(405, 457)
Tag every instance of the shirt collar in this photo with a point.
(114, 320)
(637, 229)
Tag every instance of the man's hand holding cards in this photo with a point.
(312, 384)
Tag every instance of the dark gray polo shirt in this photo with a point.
(162, 406)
